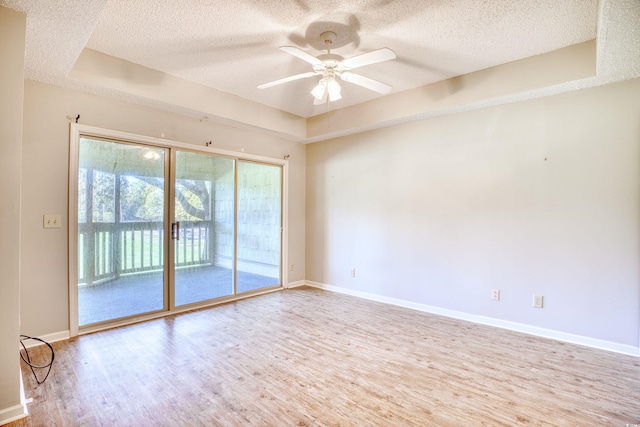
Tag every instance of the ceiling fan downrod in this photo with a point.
(328, 37)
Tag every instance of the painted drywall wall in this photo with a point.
(12, 40)
(537, 197)
(44, 289)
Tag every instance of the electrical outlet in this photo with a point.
(52, 221)
(352, 272)
(495, 294)
(538, 301)
(292, 267)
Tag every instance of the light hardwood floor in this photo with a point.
(308, 357)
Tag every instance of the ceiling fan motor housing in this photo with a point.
(328, 37)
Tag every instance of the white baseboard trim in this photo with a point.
(489, 321)
(16, 412)
(292, 285)
(13, 413)
(53, 337)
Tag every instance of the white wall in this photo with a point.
(12, 39)
(44, 290)
(537, 197)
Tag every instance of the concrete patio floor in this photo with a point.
(143, 293)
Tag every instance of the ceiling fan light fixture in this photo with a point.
(318, 91)
(327, 86)
(333, 87)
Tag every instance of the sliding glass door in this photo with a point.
(204, 216)
(160, 228)
(121, 217)
(211, 259)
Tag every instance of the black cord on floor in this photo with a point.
(28, 359)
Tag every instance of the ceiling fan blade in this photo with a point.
(287, 79)
(292, 50)
(368, 58)
(366, 82)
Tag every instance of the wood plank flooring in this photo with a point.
(306, 357)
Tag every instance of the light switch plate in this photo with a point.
(52, 221)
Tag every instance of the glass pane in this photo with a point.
(259, 225)
(103, 203)
(204, 203)
(120, 230)
(82, 195)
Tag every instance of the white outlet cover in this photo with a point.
(538, 301)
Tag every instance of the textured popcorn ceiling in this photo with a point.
(232, 46)
(57, 31)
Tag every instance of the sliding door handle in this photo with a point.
(175, 230)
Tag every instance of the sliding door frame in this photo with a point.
(76, 132)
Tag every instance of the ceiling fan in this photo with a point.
(331, 67)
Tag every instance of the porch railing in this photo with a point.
(107, 251)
